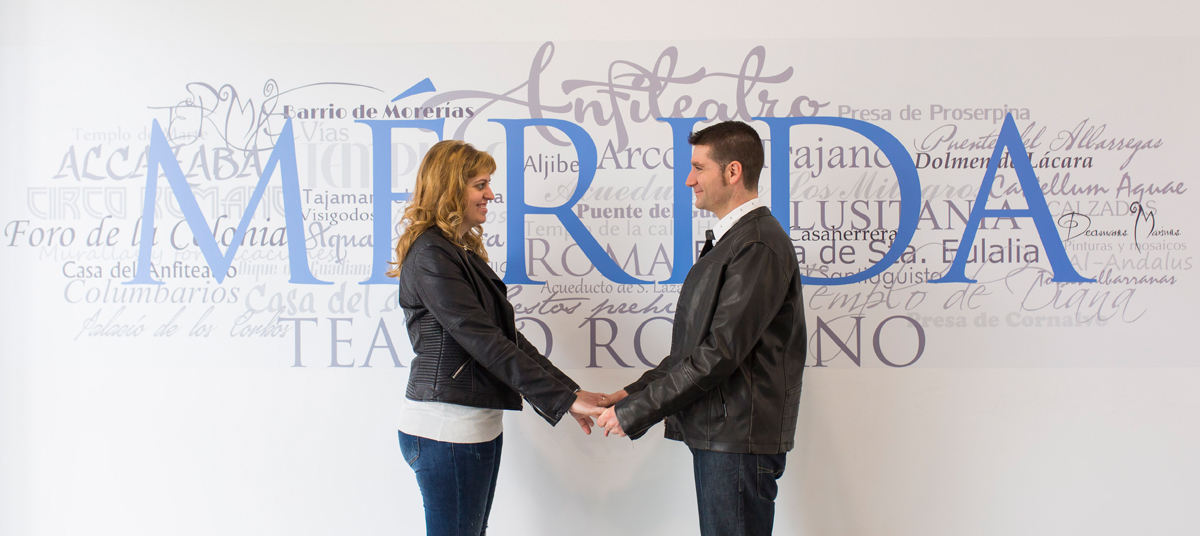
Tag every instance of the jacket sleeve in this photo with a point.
(751, 294)
(542, 360)
(441, 284)
(649, 376)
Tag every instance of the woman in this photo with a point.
(471, 362)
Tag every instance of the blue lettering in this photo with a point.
(381, 178)
(518, 209)
(681, 127)
(284, 155)
(1060, 264)
(906, 178)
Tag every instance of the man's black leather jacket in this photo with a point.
(463, 332)
(732, 380)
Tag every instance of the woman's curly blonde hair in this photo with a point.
(440, 197)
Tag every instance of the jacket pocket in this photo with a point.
(458, 372)
(453, 364)
(791, 413)
(723, 411)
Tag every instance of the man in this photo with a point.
(730, 389)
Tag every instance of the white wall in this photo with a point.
(994, 431)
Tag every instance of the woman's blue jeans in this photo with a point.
(457, 481)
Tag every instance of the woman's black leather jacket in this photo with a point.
(463, 332)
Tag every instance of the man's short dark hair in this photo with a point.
(733, 141)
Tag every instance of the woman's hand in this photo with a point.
(586, 405)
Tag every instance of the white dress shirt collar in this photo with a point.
(724, 224)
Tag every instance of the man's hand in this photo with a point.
(608, 420)
(595, 399)
(607, 401)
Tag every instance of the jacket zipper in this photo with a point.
(723, 406)
(459, 371)
(539, 410)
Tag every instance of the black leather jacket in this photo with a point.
(732, 380)
(461, 325)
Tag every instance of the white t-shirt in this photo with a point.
(449, 423)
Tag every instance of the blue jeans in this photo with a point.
(457, 482)
(735, 493)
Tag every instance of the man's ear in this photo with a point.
(733, 172)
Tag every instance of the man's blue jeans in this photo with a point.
(457, 482)
(735, 493)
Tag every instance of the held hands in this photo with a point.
(608, 420)
(588, 404)
(585, 406)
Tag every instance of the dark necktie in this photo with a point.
(708, 242)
